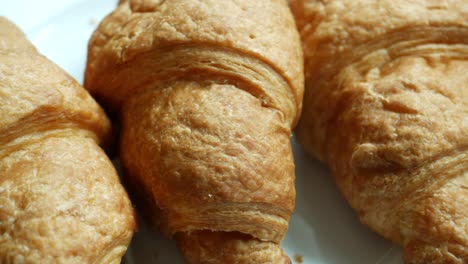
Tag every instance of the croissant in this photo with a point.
(208, 92)
(386, 107)
(60, 197)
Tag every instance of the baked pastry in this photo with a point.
(208, 92)
(386, 107)
(60, 197)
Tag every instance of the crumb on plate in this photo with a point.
(297, 258)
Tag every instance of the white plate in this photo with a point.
(323, 229)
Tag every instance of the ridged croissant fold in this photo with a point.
(386, 107)
(60, 197)
(208, 92)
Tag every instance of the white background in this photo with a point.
(323, 229)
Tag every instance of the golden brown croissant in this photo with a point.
(386, 107)
(60, 197)
(208, 92)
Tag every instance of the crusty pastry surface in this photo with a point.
(208, 93)
(60, 197)
(386, 107)
(186, 39)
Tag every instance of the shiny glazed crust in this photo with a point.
(60, 197)
(208, 92)
(386, 107)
